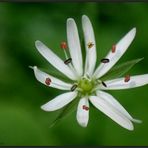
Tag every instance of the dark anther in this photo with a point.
(90, 44)
(127, 78)
(68, 61)
(85, 107)
(104, 84)
(113, 48)
(105, 60)
(47, 81)
(74, 87)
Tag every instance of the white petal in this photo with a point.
(55, 83)
(111, 112)
(54, 60)
(59, 101)
(121, 47)
(135, 81)
(112, 101)
(74, 46)
(82, 114)
(90, 52)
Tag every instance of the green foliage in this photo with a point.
(119, 70)
(67, 110)
(22, 120)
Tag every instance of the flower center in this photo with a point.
(86, 85)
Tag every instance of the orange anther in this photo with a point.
(90, 44)
(63, 45)
(113, 48)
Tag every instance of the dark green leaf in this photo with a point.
(120, 70)
(71, 107)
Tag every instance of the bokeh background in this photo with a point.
(22, 122)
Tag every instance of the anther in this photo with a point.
(74, 87)
(48, 81)
(63, 45)
(105, 60)
(127, 78)
(104, 84)
(85, 107)
(68, 61)
(113, 48)
(90, 44)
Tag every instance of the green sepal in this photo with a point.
(68, 109)
(120, 70)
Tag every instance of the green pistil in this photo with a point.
(86, 86)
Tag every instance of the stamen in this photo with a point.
(48, 81)
(105, 60)
(63, 45)
(68, 61)
(90, 44)
(74, 87)
(104, 84)
(113, 48)
(127, 78)
(85, 107)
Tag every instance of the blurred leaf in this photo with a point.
(71, 107)
(120, 70)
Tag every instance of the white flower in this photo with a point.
(87, 84)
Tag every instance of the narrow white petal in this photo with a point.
(83, 114)
(74, 46)
(121, 47)
(54, 60)
(90, 52)
(112, 101)
(55, 83)
(59, 101)
(111, 112)
(135, 81)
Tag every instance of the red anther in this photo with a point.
(127, 78)
(90, 44)
(113, 48)
(63, 45)
(48, 81)
(85, 107)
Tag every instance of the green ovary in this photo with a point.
(86, 86)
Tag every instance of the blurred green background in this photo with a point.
(22, 122)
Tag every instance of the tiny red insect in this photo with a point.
(63, 45)
(126, 78)
(85, 107)
(113, 48)
(48, 81)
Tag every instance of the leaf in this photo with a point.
(120, 70)
(71, 107)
